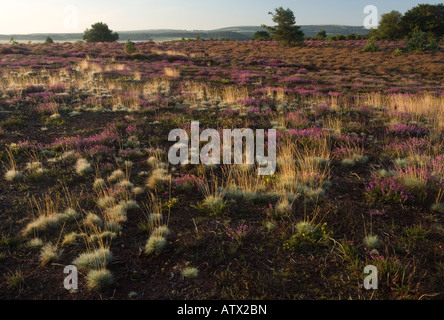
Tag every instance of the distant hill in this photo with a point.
(231, 33)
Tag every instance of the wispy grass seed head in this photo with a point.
(372, 242)
(13, 175)
(49, 253)
(94, 260)
(83, 167)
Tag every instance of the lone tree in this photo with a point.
(286, 31)
(49, 40)
(390, 26)
(321, 35)
(100, 32)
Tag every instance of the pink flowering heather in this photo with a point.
(383, 189)
(187, 182)
(407, 130)
(237, 234)
(413, 145)
(108, 137)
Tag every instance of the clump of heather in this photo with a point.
(403, 149)
(186, 183)
(388, 189)
(407, 130)
(309, 137)
(421, 181)
(296, 120)
(281, 209)
(321, 110)
(109, 137)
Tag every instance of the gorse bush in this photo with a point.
(417, 42)
(371, 46)
(308, 235)
(130, 47)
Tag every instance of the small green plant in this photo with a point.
(438, 207)
(417, 233)
(190, 272)
(308, 235)
(9, 242)
(213, 205)
(15, 280)
(398, 51)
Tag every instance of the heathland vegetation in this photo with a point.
(86, 181)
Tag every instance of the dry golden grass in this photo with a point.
(172, 72)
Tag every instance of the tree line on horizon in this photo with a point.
(422, 23)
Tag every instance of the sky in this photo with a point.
(74, 16)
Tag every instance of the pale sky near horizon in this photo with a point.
(70, 16)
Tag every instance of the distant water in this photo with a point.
(22, 41)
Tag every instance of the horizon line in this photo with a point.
(145, 30)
